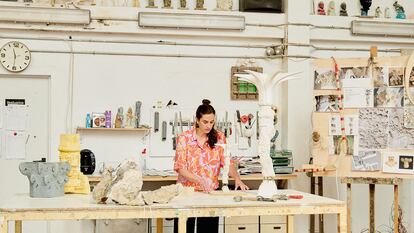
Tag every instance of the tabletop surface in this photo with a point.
(22, 202)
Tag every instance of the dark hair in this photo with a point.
(203, 109)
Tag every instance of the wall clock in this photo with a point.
(15, 56)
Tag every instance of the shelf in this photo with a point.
(80, 129)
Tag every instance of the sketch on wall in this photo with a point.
(326, 103)
(391, 97)
(350, 125)
(409, 118)
(324, 79)
(396, 76)
(373, 124)
(380, 76)
(367, 161)
(335, 143)
(400, 137)
(353, 72)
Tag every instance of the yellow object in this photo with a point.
(69, 151)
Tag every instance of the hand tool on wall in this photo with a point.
(164, 131)
(226, 126)
(156, 121)
(181, 124)
(240, 124)
(174, 129)
(138, 105)
(257, 125)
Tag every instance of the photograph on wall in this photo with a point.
(324, 79)
(407, 101)
(326, 103)
(411, 79)
(391, 97)
(373, 128)
(358, 98)
(366, 161)
(350, 125)
(399, 137)
(409, 117)
(380, 76)
(398, 163)
(335, 142)
(353, 72)
(396, 76)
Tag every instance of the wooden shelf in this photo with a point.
(80, 129)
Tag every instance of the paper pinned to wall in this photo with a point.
(15, 117)
(15, 144)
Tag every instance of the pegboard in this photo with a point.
(374, 127)
(164, 148)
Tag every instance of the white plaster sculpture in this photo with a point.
(100, 192)
(265, 84)
(226, 168)
(162, 195)
(128, 183)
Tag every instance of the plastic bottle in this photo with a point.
(88, 121)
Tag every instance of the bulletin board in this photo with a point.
(363, 119)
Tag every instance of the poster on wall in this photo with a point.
(15, 117)
(398, 163)
(15, 144)
(366, 161)
(324, 79)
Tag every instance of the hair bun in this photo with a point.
(206, 102)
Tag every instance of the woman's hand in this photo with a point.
(205, 183)
(239, 184)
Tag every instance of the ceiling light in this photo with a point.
(196, 21)
(380, 28)
(48, 15)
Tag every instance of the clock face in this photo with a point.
(15, 56)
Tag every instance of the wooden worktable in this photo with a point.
(77, 207)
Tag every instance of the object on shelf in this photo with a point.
(265, 6)
(200, 5)
(343, 11)
(331, 8)
(45, 179)
(183, 5)
(108, 119)
(400, 10)
(88, 121)
(365, 4)
(119, 117)
(321, 8)
(98, 120)
(224, 5)
(151, 4)
(378, 12)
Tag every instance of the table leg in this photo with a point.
(396, 212)
(4, 225)
(372, 208)
(342, 220)
(18, 226)
(182, 224)
(160, 225)
(348, 204)
(290, 224)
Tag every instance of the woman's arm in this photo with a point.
(206, 184)
(237, 181)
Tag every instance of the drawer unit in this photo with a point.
(272, 228)
(242, 220)
(241, 228)
(273, 219)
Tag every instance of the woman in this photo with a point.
(198, 161)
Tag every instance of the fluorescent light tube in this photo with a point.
(202, 21)
(44, 15)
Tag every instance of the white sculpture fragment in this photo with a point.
(226, 168)
(265, 84)
(100, 192)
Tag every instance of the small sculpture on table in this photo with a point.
(331, 8)
(200, 5)
(343, 11)
(151, 4)
(265, 84)
(183, 5)
(400, 10)
(321, 8)
(366, 4)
